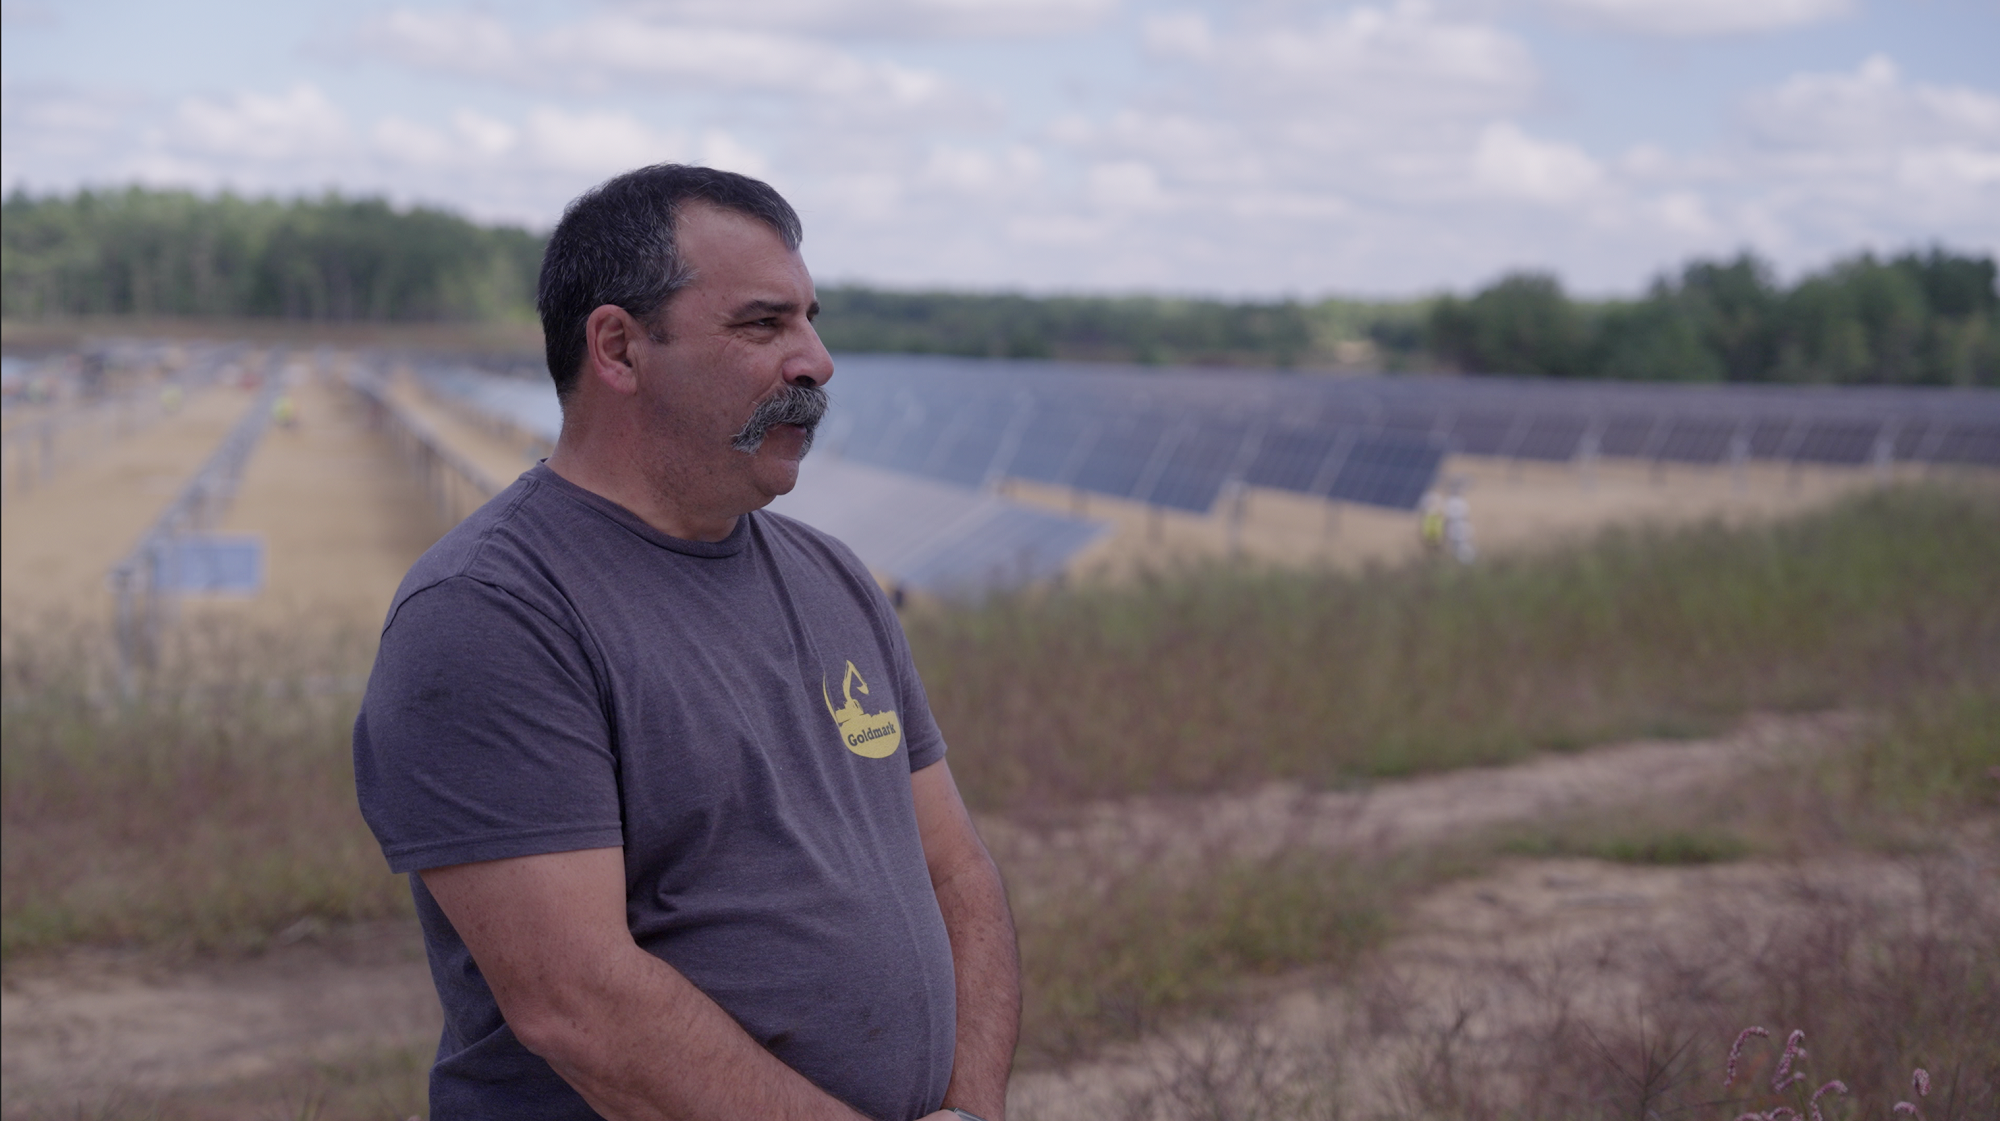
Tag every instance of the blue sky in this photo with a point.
(1261, 148)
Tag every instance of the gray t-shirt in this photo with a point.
(741, 716)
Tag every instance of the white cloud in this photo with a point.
(411, 143)
(719, 149)
(301, 122)
(981, 173)
(593, 142)
(464, 41)
(917, 18)
(1512, 163)
(483, 134)
(1401, 60)
(1125, 185)
(1699, 18)
(1182, 34)
(603, 50)
(1871, 108)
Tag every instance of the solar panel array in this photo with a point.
(951, 425)
(1180, 438)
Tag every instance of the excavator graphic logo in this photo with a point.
(870, 735)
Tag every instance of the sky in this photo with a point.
(1263, 148)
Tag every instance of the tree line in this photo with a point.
(1930, 317)
(150, 252)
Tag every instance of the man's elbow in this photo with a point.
(559, 1031)
(546, 1031)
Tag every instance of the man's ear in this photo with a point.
(611, 337)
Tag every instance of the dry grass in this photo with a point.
(1879, 985)
(215, 807)
(370, 1085)
(210, 809)
(1228, 679)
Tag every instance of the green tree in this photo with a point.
(1521, 324)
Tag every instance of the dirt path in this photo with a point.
(341, 516)
(1408, 813)
(76, 1028)
(62, 537)
(1495, 968)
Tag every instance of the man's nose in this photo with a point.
(812, 365)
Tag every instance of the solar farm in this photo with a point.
(955, 476)
(950, 475)
(1364, 761)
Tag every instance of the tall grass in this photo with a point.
(214, 807)
(210, 808)
(1224, 678)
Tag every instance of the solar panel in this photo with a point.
(1831, 441)
(1410, 424)
(1482, 433)
(1696, 440)
(1773, 437)
(1629, 435)
(1912, 438)
(1049, 445)
(1118, 457)
(1551, 437)
(1290, 458)
(909, 440)
(964, 451)
(1008, 546)
(228, 564)
(1970, 443)
(1387, 471)
(1202, 457)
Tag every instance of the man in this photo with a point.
(682, 836)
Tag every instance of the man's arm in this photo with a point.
(627, 1030)
(984, 957)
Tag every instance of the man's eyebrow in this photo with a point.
(757, 309)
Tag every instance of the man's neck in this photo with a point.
(657, 501)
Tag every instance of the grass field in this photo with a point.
(214, 808)
(1222, 678)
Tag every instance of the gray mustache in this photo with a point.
(801, 405)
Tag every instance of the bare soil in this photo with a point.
(91, 1026)
(1489, 962)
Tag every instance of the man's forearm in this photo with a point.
(626, 1030)
(988, 969)
(647, 1044)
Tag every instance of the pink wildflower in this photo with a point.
(1793, 1050)
(1837, 1086)
(1920, 1081)
(1736, 1053)
(1906, 1107)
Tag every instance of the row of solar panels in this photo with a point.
(1182, 462)
(1179, 439)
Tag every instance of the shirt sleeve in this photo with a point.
(483, 735)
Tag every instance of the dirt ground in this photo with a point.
(340, 515)
(91, 1027)
(1487, 959)
(60, 536)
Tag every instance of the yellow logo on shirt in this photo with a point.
(870, 735)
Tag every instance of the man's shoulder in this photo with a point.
(509, 544)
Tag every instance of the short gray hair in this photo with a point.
(616, 245)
